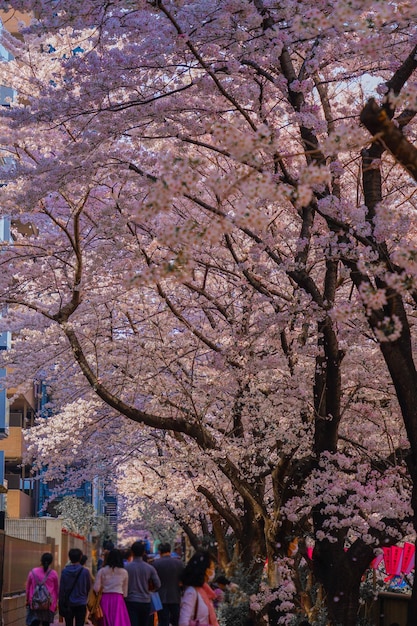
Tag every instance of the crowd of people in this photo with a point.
(129, 589)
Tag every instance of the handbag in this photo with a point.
(156, 604)
(195, 621)
(94, 607)
(97, 618)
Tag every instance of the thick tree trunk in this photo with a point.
(398, 355)
(252, 541)
(399, 359)
(223, 558)
(340, 572)
(342, 602)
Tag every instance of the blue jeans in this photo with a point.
(138, 612)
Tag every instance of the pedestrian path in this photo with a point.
(57, 621)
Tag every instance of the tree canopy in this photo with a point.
(213, 261)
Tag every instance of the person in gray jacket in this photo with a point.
(143, 578)
(169, 571)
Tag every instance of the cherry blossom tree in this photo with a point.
(78, 516)
(208, 241)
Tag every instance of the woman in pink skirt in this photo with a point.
(112, 579)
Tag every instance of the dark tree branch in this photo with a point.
(384, 131)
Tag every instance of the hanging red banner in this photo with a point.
(388, 561)
(396, 560)
(408, 557)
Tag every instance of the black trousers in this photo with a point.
(78, 614)
(169, 614)
(138, 612)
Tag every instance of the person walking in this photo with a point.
(147, 543)
(142, 577)
(112, 580)
(169, 570)
(83, 562)
(73, 590)
(45, 580)
(197, 601)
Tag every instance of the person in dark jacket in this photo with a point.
(169, 571)
(75, 584)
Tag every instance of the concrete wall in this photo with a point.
(35, 529)
(46, 530)
(14, 610)
(24, 542)
(20, 557)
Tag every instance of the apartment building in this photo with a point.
(27, 495)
